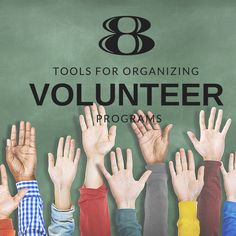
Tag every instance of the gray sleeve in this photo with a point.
(156, 202)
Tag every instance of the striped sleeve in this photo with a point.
(30, 211)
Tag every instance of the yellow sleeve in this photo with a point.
(188, 223)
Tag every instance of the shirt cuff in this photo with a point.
(230, 207)
(158, 171)
(6, 224)
(125, 215)
(32, 186)
(60, 215)
(188, 209)
(92, 194)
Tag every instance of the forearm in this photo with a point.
(229, 219)
(62, 222)
(209, 201)
(6, 228)
(188, 223)
(127, 224)
(156, 202)
(93, 177)
(94, 212)
(30, 210)
(62, 197)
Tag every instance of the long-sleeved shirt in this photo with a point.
(229, 219)
(62, 222)
(188, 223)
(94, 213)
(6, 228)
(127, 223)
(30, 211)
(209, 201)
(156, 202)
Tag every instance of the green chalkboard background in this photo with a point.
(37, 35)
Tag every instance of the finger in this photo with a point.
(88, 116)
(105, 172)
(200, 174)
(4, 179)
(136, 130)
(212, 118)
(114, 166)
(67, 146)
(82, 123)
(183, 159)
(77, 156)
(153, 120)
(226, 127)
(60, 147)
(95, 114)
(178, 163)
(19, 196)
(9, 156)
(140, 125)
(13, 136)
(102, 112)
(222, 168)
(172, 169)
(112, 134)
(166, 132)
(22, 133)
(120, 159)
(219, 120)
(129, 161)
(235, 160)
(51, 161)
(191, 163)
(202, 123)
(145, 177)
(145, 120)
(193, 138)
(231, 162)
(72, 150)
(27, 133)
(32, 137)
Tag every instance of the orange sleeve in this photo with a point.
(6, 228)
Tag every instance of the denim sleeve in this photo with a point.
(229, 219)
(62, 222)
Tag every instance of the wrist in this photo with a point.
(126, 204)
(95, 159)
(62, 197)
(24, 178)
(231, 198)
(2, 217)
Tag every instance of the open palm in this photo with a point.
(152, 140)
(212, 141)
(8, 203)
(186, 186)
(21, 156)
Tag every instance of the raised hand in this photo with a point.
(125, 189)
(212, 141)
(21, 155)
(8, 203)
(97, 139)
(230, 178)
(153, 141)
(185, 184)
(64, 171)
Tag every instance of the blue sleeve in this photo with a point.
(229, 219)
(62, 222)
(127, 223)
(30, 211)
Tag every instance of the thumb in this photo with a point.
(112, 133)
(200, 174)
(166, 132)
(222, 168)
(192, 138)
(19, 196)
(145, 177)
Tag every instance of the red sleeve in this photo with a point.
(6, 228)
(94, 213)
(209, 201)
